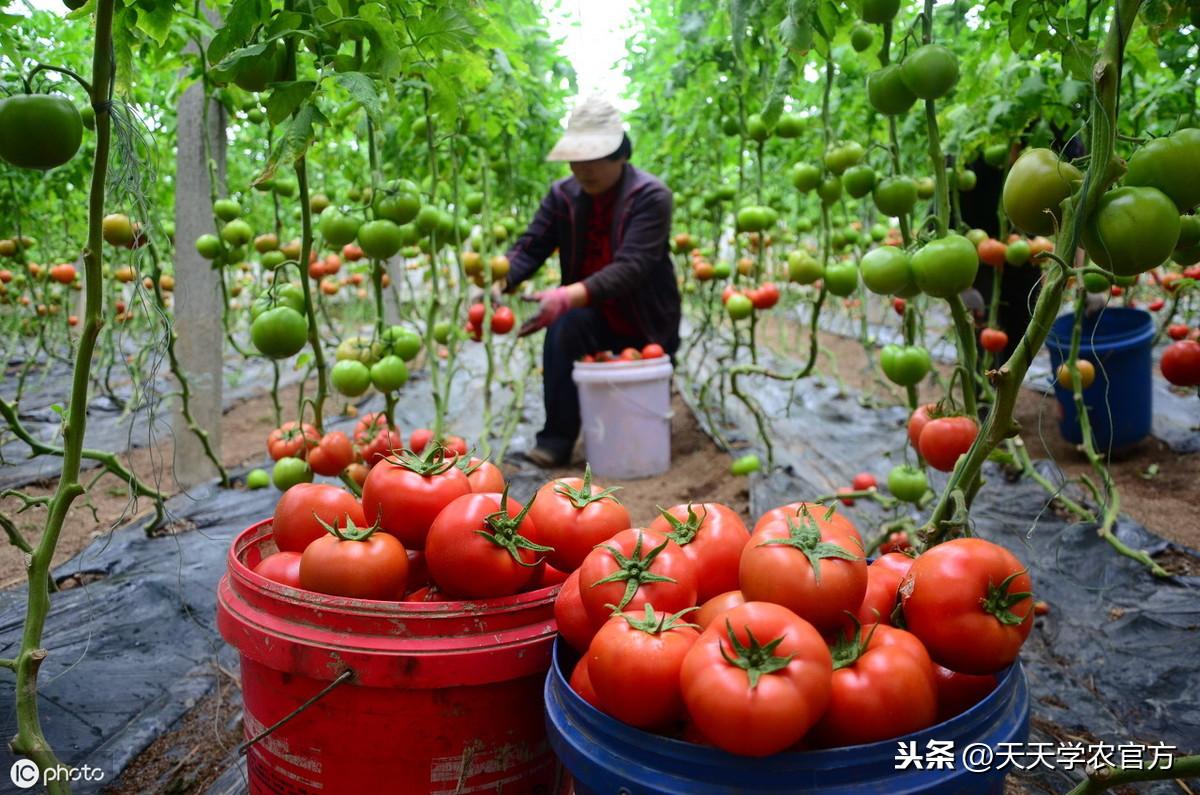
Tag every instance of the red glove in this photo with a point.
(554, 304)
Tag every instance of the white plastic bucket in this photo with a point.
(626, 412)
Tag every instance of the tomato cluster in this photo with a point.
(649, 351)
(786, 638)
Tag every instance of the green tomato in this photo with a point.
(285, 187)
(907, 483)
(803, 268)
(926, 188)
(272, 259)
(338, 229)
(804, 225)
(977, 236)
(257, 479)
(944, 268)
(963, 179)
(256, 116)
(905, 366)
(756, 128)
(861, 37)
(401, 341)
(1187, 250)
(441, 331)
(380, 239)
(357, 349)
(789, 126)
(996, 155)
(279, 333)
(208, 246)
(227, 209)
(1132, 230)
(887, 93)
(745, 465)
(859, 180)
(739, 306)
(397, 207)
(841, 278)
(351, 378)
(389, 374)
(722, 270)
(237, 232)
(930, 71)
(753, 219)
(830, 190)
(838, 239)
(729, 126)
(879, 11)
(290, 472)
(842, 156)
(895, 196)
(1018, 252)
(878, 232)
(39, 131)
(288, 295)
(886, 270)
(1035, 187)
(805, 177)
(1172, 165)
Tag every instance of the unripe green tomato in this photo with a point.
(745, 465)
(289, 471)
(351, 378)
(907, 483)
(441, 331)
(739, 306)
(257, 479)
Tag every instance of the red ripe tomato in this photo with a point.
(634, 664)
(993, 340)
(426, 593)
(302, 508)
(1192, 272)
(292, 440)
(630, 355)
(503, 320)
(587, 358)
(776, 694)
(712, 536)
(482, 546)
(946, 438)
(970, 602)
(793, 510)
(375, 439)
(632, 569)
(548, 576)
(728, 293)
(573, 622)
(1178, 331)
(864, 481)
(883, 581)
(845, 490)
(484, 476)
(765, 296)
(282, 567)
(333, 454)
(358, 473)
(1157, 304)
(357, 563)
(883, 687)
(991, 252)
(473, 331)
(573, 515)
(1181, 363)
(351, 252)
(454, 446)
(917, 423)
(899, 305)
(406, 493)
(896, 542)
(418, 572)
(581, 683)
(957, 693)
(604, 356)
(814, 567)
(653, 351)
(419, 439)
(475, 315)
(1116, 291)
(718, 605)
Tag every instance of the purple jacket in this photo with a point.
(641, 272)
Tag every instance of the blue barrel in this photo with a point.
(1117, 341)
(606, 757)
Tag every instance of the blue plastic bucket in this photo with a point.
(1119, 402)
(606, 757)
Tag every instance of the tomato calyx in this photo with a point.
(847, 650)
(999, 602)
(350, 532)
(464, 463)
(583, 496)
(684, 533)
(505, 532)
(656, 624)
(806, 537)
(754, 658)
(427, 464)
(634, 570)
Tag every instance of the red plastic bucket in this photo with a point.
(443, 697)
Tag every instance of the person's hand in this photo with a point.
(554, 304)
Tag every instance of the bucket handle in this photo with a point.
(342, 678)
(645, 409)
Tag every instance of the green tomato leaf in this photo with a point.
(286, 97)
(240, 22)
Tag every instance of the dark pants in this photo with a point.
(574, 335)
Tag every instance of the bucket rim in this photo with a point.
(1102, 342)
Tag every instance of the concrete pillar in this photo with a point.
(200, 338)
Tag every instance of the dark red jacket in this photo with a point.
(641, 272)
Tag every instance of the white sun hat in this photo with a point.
(594, 131)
